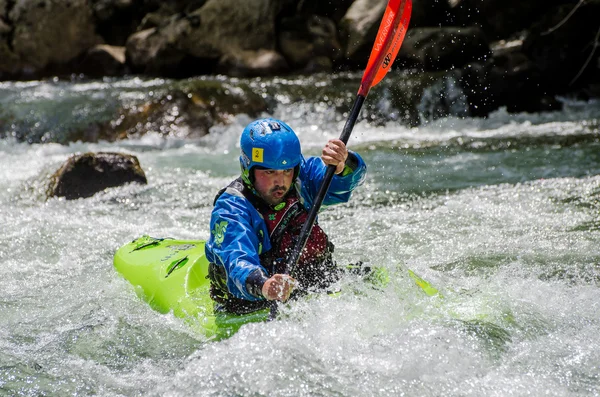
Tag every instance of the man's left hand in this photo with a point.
(335, 153)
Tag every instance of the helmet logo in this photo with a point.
(275, 126)
(257, 154)
(284, 162)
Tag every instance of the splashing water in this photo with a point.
(502, 215)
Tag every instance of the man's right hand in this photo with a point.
(278, 287)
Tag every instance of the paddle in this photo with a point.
(387, 44)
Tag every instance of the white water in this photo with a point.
(510, 235)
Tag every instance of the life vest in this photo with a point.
(284, 225)
(315, 268)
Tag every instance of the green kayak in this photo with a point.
(171, 275)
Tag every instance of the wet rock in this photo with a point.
(4, 27)
(152, 51)
(49, 33)
(359, 27)
(302, 40)
(252, 63)
(563, 46)
(509, 79)
(226, 27)
(320, 64)
(429, 13)
(163, 11)
(332, 9)
(103, 60)
(9, 61)
(443, 48)
(187, 112)
(500, 19)
(116, 20)
(86, 174)
(221, 35)
(231, 25)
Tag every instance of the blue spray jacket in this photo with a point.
(239, 234)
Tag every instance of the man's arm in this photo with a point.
(235, 245)
(352, 175)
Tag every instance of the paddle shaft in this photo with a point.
(388, 41)
(314, 210)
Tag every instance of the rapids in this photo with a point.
(502, 215)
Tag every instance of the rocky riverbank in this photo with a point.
(517, 54)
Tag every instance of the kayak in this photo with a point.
(171, 275)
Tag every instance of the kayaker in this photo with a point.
(257, 218)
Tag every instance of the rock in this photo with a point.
(332, 9)
(50, 32)
(509, 80)
(103, 60)
(226, 26)
(154, 51)
(252, 63)
(320, 64)
(429, 13)
(188, 112)
(86, 174)
(500, 19)
(116, 20)
(10, 64)
(443, 48)
(359, 27)
(4, 28)
(221, 35)
(563, 46)
(303, 39)
(361, 23)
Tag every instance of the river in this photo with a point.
(501, 214)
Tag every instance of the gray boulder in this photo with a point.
(501, 18)
(103, 60)
(86, 174)
(252, 63)
(47, 33)
(154, 51)
(221, 34)
(302, 40)
(429, 13)
(443, 48)
(563, 46)
(334, 10)
(359, 27)
(225, 26)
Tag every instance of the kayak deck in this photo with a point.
(171, 275)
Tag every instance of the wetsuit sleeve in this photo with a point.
(236, 245)
(313, 171)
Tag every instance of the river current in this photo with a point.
(502, 215)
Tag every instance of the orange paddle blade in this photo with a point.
(387, 44)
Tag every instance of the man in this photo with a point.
(257, 218)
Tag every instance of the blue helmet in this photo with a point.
(270, 144)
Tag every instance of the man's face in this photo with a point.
(272, 185)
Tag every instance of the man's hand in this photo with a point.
(335, 153)
(279, 287)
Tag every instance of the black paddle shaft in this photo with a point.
(312, 215)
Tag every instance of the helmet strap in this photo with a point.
(248, 178)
